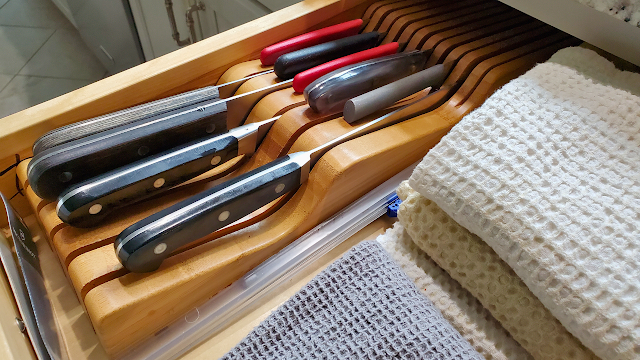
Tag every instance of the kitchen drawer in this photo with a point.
(192, 67)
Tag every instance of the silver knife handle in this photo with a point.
(380, 98)
(142, 247)
(109, 121)
(87, 204)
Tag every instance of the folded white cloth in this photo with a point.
(546, 172)
(457, 305)
(626, 10)
(590, 64)
(479, 270)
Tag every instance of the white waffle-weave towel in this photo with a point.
(546, 172)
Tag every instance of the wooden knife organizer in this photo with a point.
(127, 308)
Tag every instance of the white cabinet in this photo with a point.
(154, 28)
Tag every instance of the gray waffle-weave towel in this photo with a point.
(361, 307)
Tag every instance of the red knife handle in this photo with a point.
(303, 79)
(270, 54)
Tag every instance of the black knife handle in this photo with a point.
(87, 204)
(143, 246)
(288, 65)
(58, 168)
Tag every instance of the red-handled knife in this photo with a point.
(270, 54)
(303, 79)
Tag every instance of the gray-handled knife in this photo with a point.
(140, 112)
(143, 246)
(327, 94)
(88, 203)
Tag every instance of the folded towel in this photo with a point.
(590, 64)
(478, 269)
(361, 307)
(546, 172)
(626, 10)
(457, 305)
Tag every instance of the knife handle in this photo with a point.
(329, 93)
(87, 204)
(144, 245)
(290, 64)
(112, 120)
(270, 54)
(303, 79)
(53, 170)
(382, 97)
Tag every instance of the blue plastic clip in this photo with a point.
(394, 205)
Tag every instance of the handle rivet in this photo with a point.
(160, 248)
(224, 216)
(143, 150)
(158, 183)
(279, 188)
(65, 176)
(21, 326)
(216, 160)
(210, 128)
(95, 208)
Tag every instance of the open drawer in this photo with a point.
(127, 308)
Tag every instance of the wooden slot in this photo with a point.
(242, 70)
(274, 104)
(378, 16)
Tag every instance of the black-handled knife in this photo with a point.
(143, 246)
(288, 65)
(86, 204)
(58, 168)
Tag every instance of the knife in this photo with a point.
(88, 203)
(190, 99)
(268, 57)
(143, 246)
(290, 64)
(55, 169)
(33, 304)
(327, 94)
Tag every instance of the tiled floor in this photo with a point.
(41, 55)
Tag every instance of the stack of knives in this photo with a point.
(96, 166)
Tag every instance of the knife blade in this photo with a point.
(33, 304)
(88, 203)
(143, 246)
